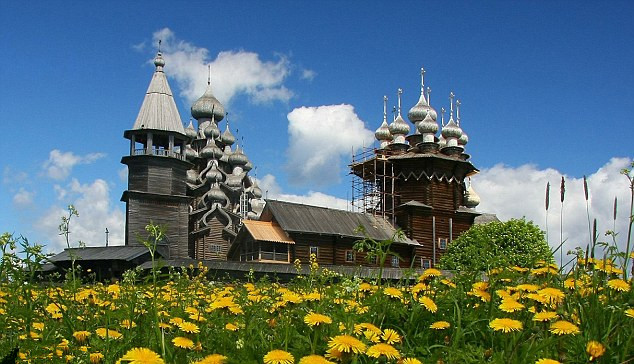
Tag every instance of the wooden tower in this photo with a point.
(157, 168)
(419, 181)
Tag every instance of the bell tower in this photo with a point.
(157, 168)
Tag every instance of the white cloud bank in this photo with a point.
(92, 201)
(23, 198)
(232, 72)
(272, 190)
(60, 164)
(319, 137)
(516, 192)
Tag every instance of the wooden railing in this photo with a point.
(160, 153)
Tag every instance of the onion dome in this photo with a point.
(419, 111)
(227, 138)
(192, 176)
(257, 191)
(238, 158)
(211, 151)
(383, 132)
(451, 130)
(428, 125)
(208, 106)
(190, 153)
(442, 142)
(158, 60)
(471, 198)
(190, 131)
(213, 175)
(399, 127)
(212, 131)
(215, 194)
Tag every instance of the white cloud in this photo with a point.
(318, 139)
(308, 74)
(92, 201)
(23, 198)
(272, 190)
(232, 72)
(11, 176)
(60, 164)
(516, 192)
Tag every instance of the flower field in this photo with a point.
(515, 315)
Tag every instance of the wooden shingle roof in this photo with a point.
(267, 231)
(295, 217)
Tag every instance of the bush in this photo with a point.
(497, 244)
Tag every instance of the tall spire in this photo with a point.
(451, 96)
(399, 93)
(429, 95)
(422, 81)
(209, 74)
(384, 108)
(442, 115)
(158, 110)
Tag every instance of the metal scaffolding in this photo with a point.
(373, 183)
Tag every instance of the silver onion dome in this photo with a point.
(428, 125)
(451, 130)
(215, 194)
(207, 106)
(213, 175)
(471, 198)
(383, 132)
(211, 151)
(238, 158)
(190, 131)
(158, 60)
(227, 138)
(212, 131)
(192, 176)
(399, 126)
(190, 153)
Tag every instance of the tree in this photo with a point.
(497, 244)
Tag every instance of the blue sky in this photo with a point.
(545, 90)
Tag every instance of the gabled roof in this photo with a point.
(299, 218)
(267, 231)
(158, 110)
(125, 253)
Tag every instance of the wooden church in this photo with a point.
(195, 182)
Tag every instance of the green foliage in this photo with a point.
(497, 244)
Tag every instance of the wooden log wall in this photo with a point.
(203, 244)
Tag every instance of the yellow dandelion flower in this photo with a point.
(96, 358)
(365, 287)
(545, 316)
(552, 295)
(430, 273)
(564, 328)
(410, 361)
(358, 328)
(127, 324)
(510, 305)
(112, 334)
(393, 292)
(520, 269)
(440, 325)
(183, 342)
(372, 337)
(39, 326)
(483, 295)
(141, 356)
(176, 321)
(527, 287)
(386, 350)
(505, 325)
(390, 336)
(314, 359)
(315, 319)
(278, 357)
(81, 336)
(595, 349)
(619, 285)
(165, 326)
(447, 283)
(547, 361)
(629, 312)
(346, 344)
(189, 327)
(212, 359)
(428, 303)
(333, 353)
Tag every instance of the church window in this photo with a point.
(395, 261)
(425, 263)
(216, 248)
(314, 250)
(349, 256)
(442, 243)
